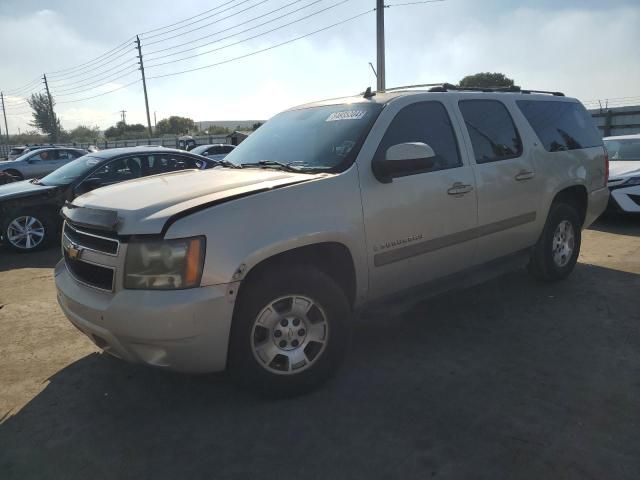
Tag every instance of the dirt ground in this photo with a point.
(511, 379)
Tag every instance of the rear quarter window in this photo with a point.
(561, 126)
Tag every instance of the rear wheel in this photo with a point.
(290, 331)
(556, 253)
(27, 231)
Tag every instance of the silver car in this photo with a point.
(215, 151)
(41, 162)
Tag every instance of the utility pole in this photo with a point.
(155, 120)
(380, 44)
(144, 83)
(124, 116)
(54, 124)
(4, 112)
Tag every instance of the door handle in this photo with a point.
(459, 188)
(524, 175)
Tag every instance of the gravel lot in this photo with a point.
(509, 380)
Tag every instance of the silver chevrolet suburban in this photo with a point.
(259, 265)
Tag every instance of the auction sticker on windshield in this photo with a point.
(346, 115)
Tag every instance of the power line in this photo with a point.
(96, 83)
(187, 19)
(237, 25)
(268, 48)
(101, 94)
(81, 66)
(65, 79)
(32, 84)
(280, 27)
(206, 25)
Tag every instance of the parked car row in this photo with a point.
(29, 209)
(258, 266)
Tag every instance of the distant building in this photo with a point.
(617, 120)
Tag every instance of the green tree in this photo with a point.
(175, 125)
(256, 126)
(486, 80)
(43, 118)
(122, 131)
(83, 133)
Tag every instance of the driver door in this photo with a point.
(419, 226)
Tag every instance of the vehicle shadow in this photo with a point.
(618, 224)
(511, 379)
(47, 258)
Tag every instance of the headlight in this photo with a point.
(632, 181)
(164, 264)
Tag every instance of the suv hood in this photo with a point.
(143, 206)
(21, 189)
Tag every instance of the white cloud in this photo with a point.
(545, 47)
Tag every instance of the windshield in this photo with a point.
(199, 150)
(71, 171)
(621, 150)
(326, 138)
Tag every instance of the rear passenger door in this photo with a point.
(419, 226)
(507, 188)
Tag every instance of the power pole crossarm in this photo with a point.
(380, 44)
(54, 123)
(144, 83)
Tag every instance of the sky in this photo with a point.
(587, 49)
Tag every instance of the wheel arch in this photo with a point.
(576, 196)
(330, 257)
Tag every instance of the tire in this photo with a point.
(41, 230)
(271, 363)
(556, 253)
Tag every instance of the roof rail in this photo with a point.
(445, 87)
(419, 85)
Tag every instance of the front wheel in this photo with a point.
(290, 331)
(26, 231)
(556, 253)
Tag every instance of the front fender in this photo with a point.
(244, 232)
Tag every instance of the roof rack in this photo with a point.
(445, 87)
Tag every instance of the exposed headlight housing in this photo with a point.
(164, 264)
(632, 181)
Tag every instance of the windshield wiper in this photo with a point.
(289, 167)
(225, 163)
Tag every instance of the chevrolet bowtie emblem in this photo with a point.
(74, 251)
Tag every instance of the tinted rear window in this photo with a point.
(561, 125)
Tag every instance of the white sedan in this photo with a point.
(624, 172)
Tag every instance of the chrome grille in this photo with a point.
(90, 258)
(91, 241)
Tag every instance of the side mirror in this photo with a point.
(404, 159)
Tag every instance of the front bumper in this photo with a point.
(183, 330)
